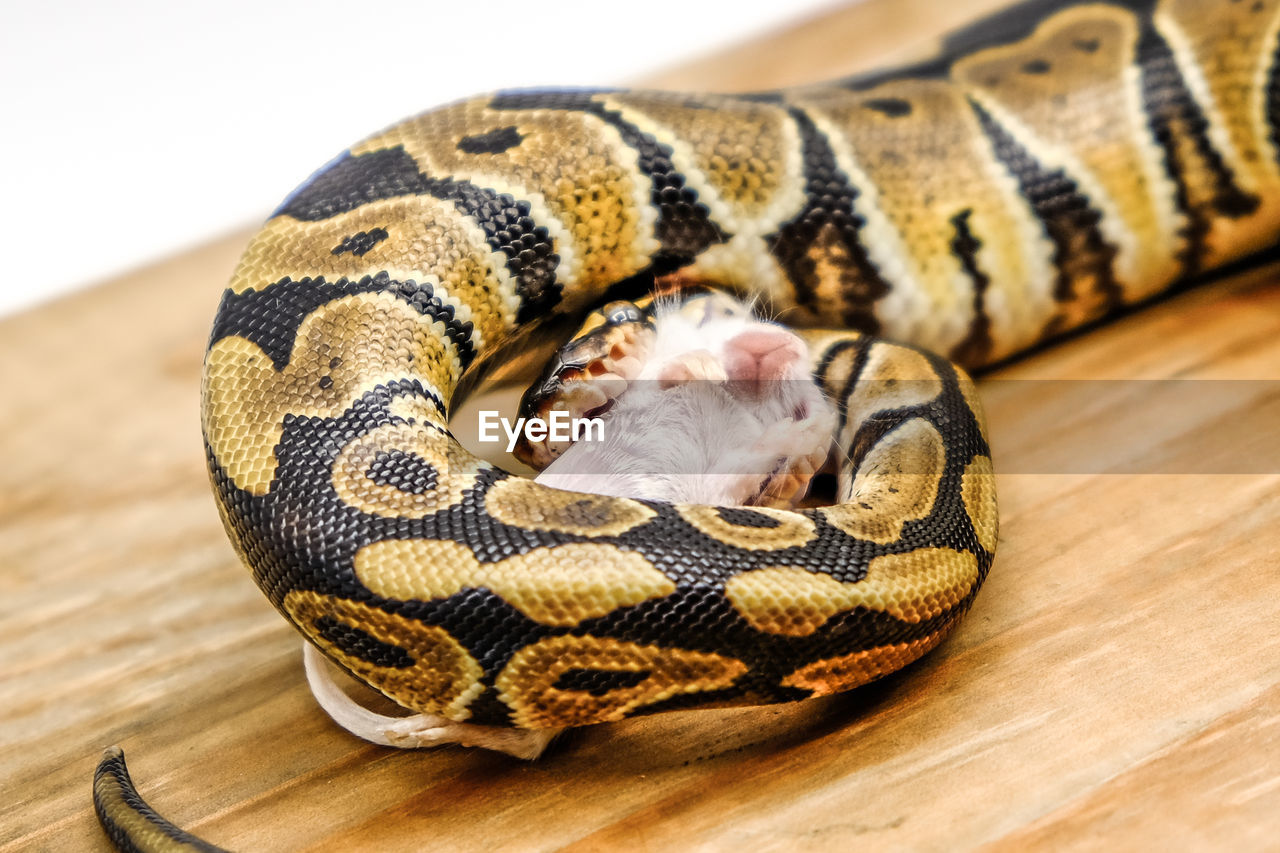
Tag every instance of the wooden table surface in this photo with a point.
(1117, 684)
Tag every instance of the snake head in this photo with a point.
(587, 374)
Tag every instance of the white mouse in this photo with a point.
(723, 411)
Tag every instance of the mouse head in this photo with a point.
(715, 337)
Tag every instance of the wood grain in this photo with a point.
(1117, 684)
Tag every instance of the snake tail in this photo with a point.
(131, 824)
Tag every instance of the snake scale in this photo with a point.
(1057, 163)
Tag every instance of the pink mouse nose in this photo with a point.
(763, 354)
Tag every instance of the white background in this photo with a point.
(132, 130)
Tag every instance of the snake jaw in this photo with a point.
(586, 376)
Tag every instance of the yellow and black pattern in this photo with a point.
(1059, 162)
(131, 824)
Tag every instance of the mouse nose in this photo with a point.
(764, 354)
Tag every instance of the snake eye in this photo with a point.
(621, 312)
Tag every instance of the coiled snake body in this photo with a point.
(1061, 161)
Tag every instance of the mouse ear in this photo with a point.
(586, 375)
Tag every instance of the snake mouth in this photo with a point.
(585, 376)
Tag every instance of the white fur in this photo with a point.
(700, 441)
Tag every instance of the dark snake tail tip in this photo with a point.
(131, 824)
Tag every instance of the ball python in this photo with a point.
(1055, 164)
